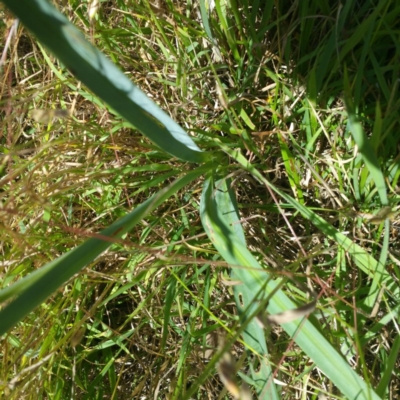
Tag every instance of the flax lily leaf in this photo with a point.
(253, 335)
(103, 78)
(308, 337)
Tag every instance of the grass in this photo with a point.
(297, 104)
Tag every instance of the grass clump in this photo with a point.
(293, 91)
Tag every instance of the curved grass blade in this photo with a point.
(371, 161)
(204, 18)
(103, 78)
(223, 235)
(368, 156)
(169, 299)
(38, 286)
(391, 367)
(253, 335)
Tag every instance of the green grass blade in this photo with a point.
(306, 335)
(366, 149)
(204, 19)
(369, 157)
(291, 169)
(169, 298)
(40, 286)
(374, 290)
(376, 137)
(253, 335)
(390, 368)
(221, 8)
(361, 31)
(102, 77)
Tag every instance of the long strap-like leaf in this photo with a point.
(103, 78)
(222, 198)
(305, 334)
(33, 289)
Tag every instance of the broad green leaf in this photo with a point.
(253, 335)
(103, 78)
(33, 289)
(306, 335)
